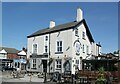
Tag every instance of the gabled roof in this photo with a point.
(22, 53)
(9, 50)
(3, 52)
(111, 54)
(62, 27)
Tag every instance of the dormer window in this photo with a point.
(83, 35)
(76, 32)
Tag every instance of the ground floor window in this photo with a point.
(77, 62)
(34, 63)
(58, 64)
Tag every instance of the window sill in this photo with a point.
(45, 53)
(58, 52)
(33, 68)
(84, 38)
(58, 69)
(76, 35)
(88, 54)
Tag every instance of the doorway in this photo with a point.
(44, 65)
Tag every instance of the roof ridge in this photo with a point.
(8, 47)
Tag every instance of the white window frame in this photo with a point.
(58, 50)
(34, 61)
(33, 50)
(58, 64)
(46, 48)
(83, 48)
(83, 35)
(46, 39)
(76, 32)
(87, 49)
(77, 62)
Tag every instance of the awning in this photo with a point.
(21, 61)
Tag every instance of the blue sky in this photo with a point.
(20, 19)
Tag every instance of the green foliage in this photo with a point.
(101, 78)
(116, 52)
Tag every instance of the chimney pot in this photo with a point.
(79, 15)
(52, 24)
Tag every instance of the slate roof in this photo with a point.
(9, 50)
(61, 28)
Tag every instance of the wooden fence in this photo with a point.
(91, 76)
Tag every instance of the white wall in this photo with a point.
(40, 41)
(95, 49)
(65, 37)
(68, 38)
(3, 54)
(85, 41)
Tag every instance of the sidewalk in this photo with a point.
(25, 79)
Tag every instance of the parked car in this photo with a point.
(6, 68)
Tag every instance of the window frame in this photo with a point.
(83, 35)
(76, 32)
(83, 48)
(58, 64)
(46, 38)
(34, 63)
(77, 62)
(87, 49)
(59, 46)
(33, 48)
(46, 49)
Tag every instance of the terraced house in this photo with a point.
(61, 47)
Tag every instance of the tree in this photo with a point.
(116, 52)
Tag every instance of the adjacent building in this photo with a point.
(21, 62)
(61, 47)
(7, 55)
(13, 58)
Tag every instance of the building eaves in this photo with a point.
(55, 29)
(62, 27)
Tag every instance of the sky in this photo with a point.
(20, 19)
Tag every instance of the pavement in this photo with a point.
(25, 79)
(26, 83)
(7, 78)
